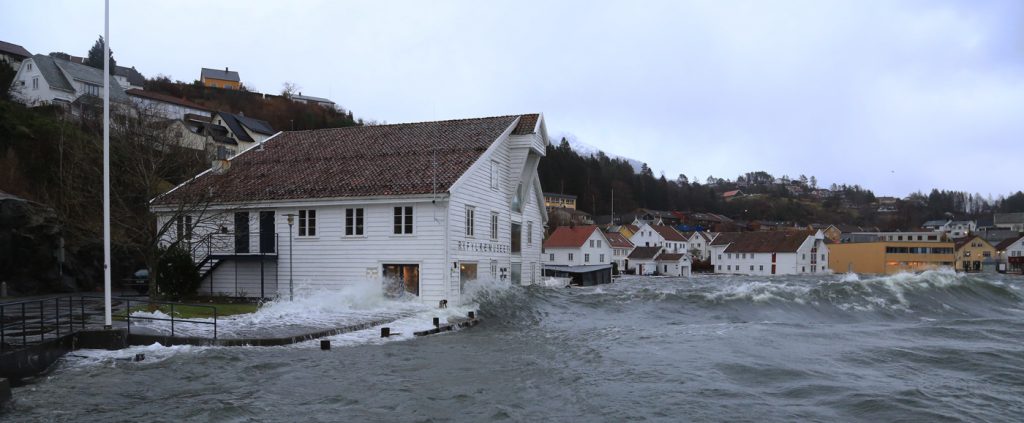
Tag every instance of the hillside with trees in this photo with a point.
(601, 183)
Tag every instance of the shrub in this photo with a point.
(176, 275)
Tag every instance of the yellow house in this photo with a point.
(552, 200)
(974, 254)
(217, 78)
(889, 257)
(628, 230)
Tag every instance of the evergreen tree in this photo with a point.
(95, 56)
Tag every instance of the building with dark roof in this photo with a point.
(45, 80)
(13, 54)
(217, 78)
(308, 99)
(246, 130)
(799, 252)
(426, 207)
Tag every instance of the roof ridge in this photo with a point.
(414, 123)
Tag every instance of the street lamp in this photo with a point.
(291, 280)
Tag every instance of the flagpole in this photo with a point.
(107, 323)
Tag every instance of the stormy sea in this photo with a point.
(931, 347)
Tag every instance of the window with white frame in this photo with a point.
(403, 220)
(35, 83)
(29, 66)
(529, 233)
(495, 168)
(570, 256)
(591, 243)
(551, 257)
(494, 269)
(470, 217)
(307, 222)
(586, 258)
(601, 258)
(494, 225)
(354, 222)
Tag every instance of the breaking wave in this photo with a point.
(932, 293)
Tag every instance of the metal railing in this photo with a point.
(231, 243)
(128, 317)
(31, 321)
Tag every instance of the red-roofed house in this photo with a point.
(425, 208)
(621, 247)
(581, 253)
(577, 246)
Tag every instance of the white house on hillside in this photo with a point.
(429, 207)
(164, 106)
(43, 80)
(648, 235)
(770, 253)
(247, 131)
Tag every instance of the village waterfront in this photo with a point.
(934, 346)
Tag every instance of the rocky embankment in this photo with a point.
(33, 257)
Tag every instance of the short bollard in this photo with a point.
(385, 332)
(325, 344)
(472, 315)
(139, 357)
(437, 322)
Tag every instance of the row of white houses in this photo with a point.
(661, 250)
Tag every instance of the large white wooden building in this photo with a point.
(432, 205)
(770, 253)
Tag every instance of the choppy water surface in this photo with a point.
(930, 347)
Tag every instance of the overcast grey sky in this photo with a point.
(894, 95)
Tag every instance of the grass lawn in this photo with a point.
(190, 312)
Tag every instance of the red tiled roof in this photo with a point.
(358, 161)
(730, 193)
(617, 240)
(1007, 243)
(166, 98)
(644, 253)
(763, 242)
(669, 233)
(14, 49)
(527, 125)
(633, 228)
(569, 236)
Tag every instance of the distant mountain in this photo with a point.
(588, 150)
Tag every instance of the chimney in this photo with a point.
(225, 69)
(221, 164)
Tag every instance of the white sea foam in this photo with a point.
(357, 303)
(154, 353)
